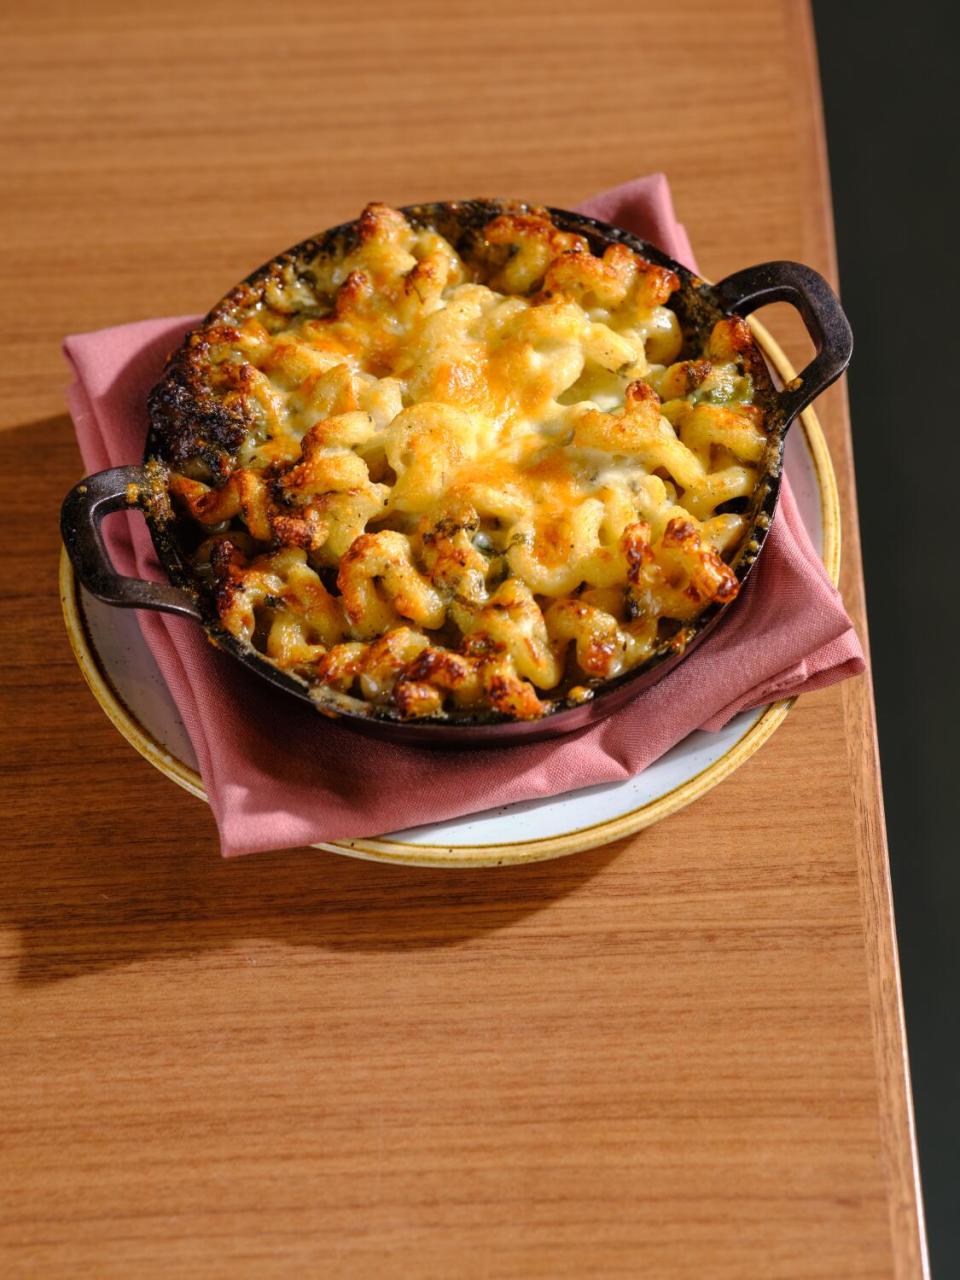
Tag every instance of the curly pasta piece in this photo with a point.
(709, 577)
(425, 445)
(535, 242)
(551, 557)
(380, 584)
(375, 668)
(509, 694)
(283, 591)
(562, 322)
(641, 431)
(450, 556)
(678, 577)
(244, 494)
(328, 463)
(705, 427)
(434, 675)
(601, 645)
(511, 620)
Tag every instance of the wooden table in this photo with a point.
(678, 1056)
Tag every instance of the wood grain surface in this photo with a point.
(677, 1056)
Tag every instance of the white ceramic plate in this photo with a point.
(124, 678)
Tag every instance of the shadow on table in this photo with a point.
(86, 886)
(81, 907)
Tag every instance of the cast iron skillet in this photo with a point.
(698, 305)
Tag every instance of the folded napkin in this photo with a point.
(278, 775)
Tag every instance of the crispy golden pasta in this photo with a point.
(463, 485)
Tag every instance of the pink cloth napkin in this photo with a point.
(278, 775)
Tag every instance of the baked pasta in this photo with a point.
(474, 476)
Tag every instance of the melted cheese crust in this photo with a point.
(454, 486)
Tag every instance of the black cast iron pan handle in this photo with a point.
(84, 507)
(822, 314)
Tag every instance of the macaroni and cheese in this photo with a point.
(461, 480)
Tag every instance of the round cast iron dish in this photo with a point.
(698, 305)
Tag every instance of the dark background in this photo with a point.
(890, 80)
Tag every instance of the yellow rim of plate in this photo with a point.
(482, 855)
